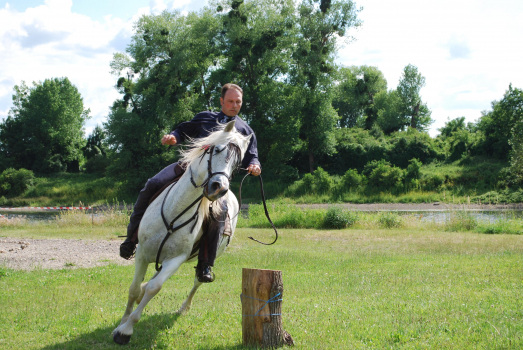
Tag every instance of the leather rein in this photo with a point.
(170, 226)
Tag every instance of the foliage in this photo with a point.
(337, 218)
(389, 220)
(516, 142)
(44, 129)
(318, 28)
(15, 182)
(497, 125)
(355, 95)
(381, 175)
(416, 114)
(351, 179)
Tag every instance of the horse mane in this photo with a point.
(197, 147)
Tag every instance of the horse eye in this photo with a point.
(220, 150)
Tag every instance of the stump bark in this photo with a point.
(262, 291)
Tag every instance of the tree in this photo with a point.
(256, 45)
(44, 129)
(497, 125)
(355, 94)
(319, 27)
(164, 81)
(415, 113)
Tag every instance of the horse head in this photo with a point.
(223, 151)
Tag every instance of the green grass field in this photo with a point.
(358, 288)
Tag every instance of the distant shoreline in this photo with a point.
(436, 206)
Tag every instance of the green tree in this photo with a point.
(497, 125)
(44, 129)
(415, 113)
(164, 81)
(355, 94)
(319, 27)
(256, 45)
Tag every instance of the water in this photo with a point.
(441, 216)
(438, 216)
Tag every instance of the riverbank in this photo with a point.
(436, 206)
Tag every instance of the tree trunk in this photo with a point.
(262, 294)
(311, 162)
(414, 116)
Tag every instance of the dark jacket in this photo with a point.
(205, 122)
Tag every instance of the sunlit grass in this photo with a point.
(400, 288)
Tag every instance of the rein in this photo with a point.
(171, 229)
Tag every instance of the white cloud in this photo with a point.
(468, 50)
(50, 41)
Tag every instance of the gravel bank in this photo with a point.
(29, 254)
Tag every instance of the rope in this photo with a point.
(271, 300)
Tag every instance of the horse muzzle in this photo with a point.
(216, 188)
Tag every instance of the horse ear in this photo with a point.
(230, 126)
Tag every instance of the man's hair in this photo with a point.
(230, 86)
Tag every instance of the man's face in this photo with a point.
(231, 103)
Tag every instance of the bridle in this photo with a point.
(233, 149)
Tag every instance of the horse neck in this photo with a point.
(181, 196)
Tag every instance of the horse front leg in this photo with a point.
(122, 334)
(187, 303)
(140, 268)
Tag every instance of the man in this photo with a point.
(200, 126)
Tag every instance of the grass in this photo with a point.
(344, 289)
(67, 189)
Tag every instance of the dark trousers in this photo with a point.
(213, 229)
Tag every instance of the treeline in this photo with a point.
(307, 112)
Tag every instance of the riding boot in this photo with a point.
(153, 185)
(210, 243)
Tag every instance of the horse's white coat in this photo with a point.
(178, 247)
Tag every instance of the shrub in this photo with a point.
(337, 218)
(15, 182)
(351, 179)
(97, 164)
(384, 176)
(389, 220)
(322, 180)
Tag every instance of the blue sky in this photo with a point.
(469, 50)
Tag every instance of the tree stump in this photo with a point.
(262, 294)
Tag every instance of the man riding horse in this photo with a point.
(200, 126)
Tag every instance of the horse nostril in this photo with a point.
(215, 186)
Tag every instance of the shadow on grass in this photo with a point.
(144, 337)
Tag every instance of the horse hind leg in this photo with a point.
(122, 334)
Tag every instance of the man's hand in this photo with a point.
(254, 169)
(168, 140)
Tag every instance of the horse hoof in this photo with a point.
(121, 339)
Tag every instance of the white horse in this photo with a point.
(211, 161)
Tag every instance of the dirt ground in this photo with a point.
(29, 254)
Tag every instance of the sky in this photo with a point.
(469, 51)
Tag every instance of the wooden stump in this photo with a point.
(262, 294)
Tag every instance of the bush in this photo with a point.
(322, 181)
(384, 176)
(351, 179)
(15, 182)
(97, 164)
(389, 220)
(337, 218)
